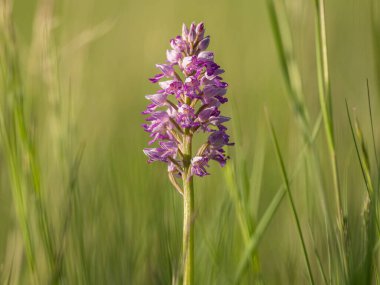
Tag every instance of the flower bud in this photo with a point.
(192, 33)
(203, 44)
(200, 30)
(185, 32)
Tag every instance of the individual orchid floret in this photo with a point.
(198, 166)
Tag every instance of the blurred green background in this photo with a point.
(85, 66)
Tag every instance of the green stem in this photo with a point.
(188, 210)
(326, 108)
(292, 204)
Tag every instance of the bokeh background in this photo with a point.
(117, 220)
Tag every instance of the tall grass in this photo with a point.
(79, 204)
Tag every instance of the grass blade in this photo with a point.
(271, 210)
(260, 230)
(288, 190)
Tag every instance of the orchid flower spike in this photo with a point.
(191, 91)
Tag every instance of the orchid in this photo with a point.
(191, 91)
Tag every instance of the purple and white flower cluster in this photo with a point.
(191, 92)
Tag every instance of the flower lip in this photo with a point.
(213, 91)
(156, 78)
(218, 139)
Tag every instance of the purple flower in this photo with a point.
(160, 126)
(178, 44)
(218, 155)
(218, 139)
(173, 56)
(205, 114)
(214, 91)
(206, 56)
(198, 166)
(166, 69)
(188, 100)
(185, 116)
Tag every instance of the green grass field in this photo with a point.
(298, 201)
